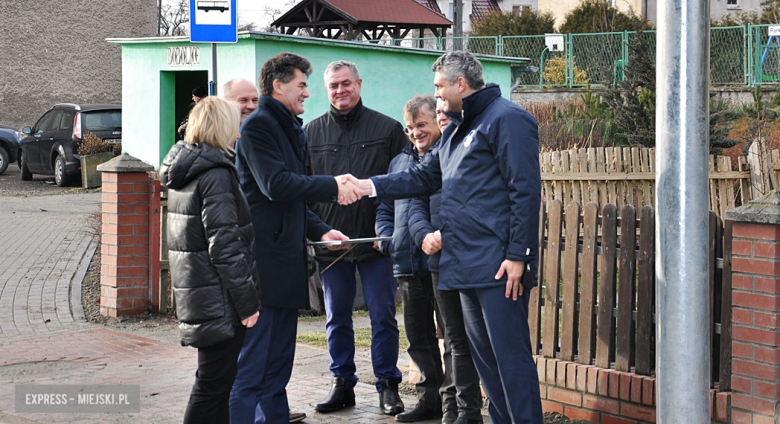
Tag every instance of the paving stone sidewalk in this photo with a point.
(45, 249)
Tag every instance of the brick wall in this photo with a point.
(584, 392)
(124, 266)
(755, 325)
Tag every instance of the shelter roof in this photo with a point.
(371, 18)
(482, 8)
(431, 4)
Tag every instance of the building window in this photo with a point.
(452, 11)
(732, 4)
(516, 10)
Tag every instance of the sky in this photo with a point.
(255, 10)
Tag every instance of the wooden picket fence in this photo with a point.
(601, 310)
(626, 176)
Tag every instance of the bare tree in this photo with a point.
(174, 18)
(274, 13)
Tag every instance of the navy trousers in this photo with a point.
(379, 288)
(500, 343)
(264, 368)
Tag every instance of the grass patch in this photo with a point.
(362, 338)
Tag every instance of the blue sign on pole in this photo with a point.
(213, 21)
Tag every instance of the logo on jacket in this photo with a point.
(469, 138)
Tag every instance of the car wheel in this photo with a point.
(26, 174)
(3, 160)
(60, 177)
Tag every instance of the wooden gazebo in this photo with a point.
(373, 19)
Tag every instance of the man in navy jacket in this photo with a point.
(409, 264)
(271, 163)
(488, 171)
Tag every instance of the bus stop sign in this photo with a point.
(213, 21)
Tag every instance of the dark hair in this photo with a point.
(454, 65)
(281, 67)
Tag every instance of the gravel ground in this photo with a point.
(160, 327)
(11, 184)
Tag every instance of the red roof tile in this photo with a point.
(482, 8)
(431, 4)
(389, 11)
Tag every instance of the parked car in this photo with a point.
(9, 146)
(51, 146)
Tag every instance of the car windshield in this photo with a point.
(102, 120)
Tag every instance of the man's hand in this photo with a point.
(250, 322)
(335, 235)
(514, 272)
(348, 190)
(432, 243)
(364, 186)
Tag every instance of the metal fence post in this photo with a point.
(682, 214)
(499, 45)
(746, 54)
(569, 61)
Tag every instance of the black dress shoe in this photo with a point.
(464, 420)
(420, 412)
(389, 401)
(449, 416)
(339, 397)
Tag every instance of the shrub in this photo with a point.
(93, 144)
(528, 22)
(555, 72)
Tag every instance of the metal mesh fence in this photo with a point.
(477, 45)
(767, 56)
(738, 55)
(526, 46)
(420, 43)
(594, 57)
(727, 55)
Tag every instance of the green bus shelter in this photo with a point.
(158, 75)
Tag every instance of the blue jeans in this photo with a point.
(420, 324)
(379, 287)
(500, 343)
(264, 369)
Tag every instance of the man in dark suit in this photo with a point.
(271, 162)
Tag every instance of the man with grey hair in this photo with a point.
(355, 139)
(242, 92)
(410, 264)
(488, 170)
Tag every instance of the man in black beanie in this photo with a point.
(198, 93)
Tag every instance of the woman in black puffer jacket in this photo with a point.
(212, 254)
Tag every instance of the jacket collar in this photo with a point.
(279, 110)
(350, 117)
(290, 124)
(475, 103)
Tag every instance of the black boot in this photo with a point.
(389, 401)
(420, 412)
(339, 397)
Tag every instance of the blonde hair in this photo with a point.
(213, 121)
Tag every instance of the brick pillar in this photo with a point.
(124, 263)
(755, 381)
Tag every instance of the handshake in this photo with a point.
(352, 189)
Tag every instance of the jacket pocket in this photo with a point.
(372, 157)
(324, 159)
